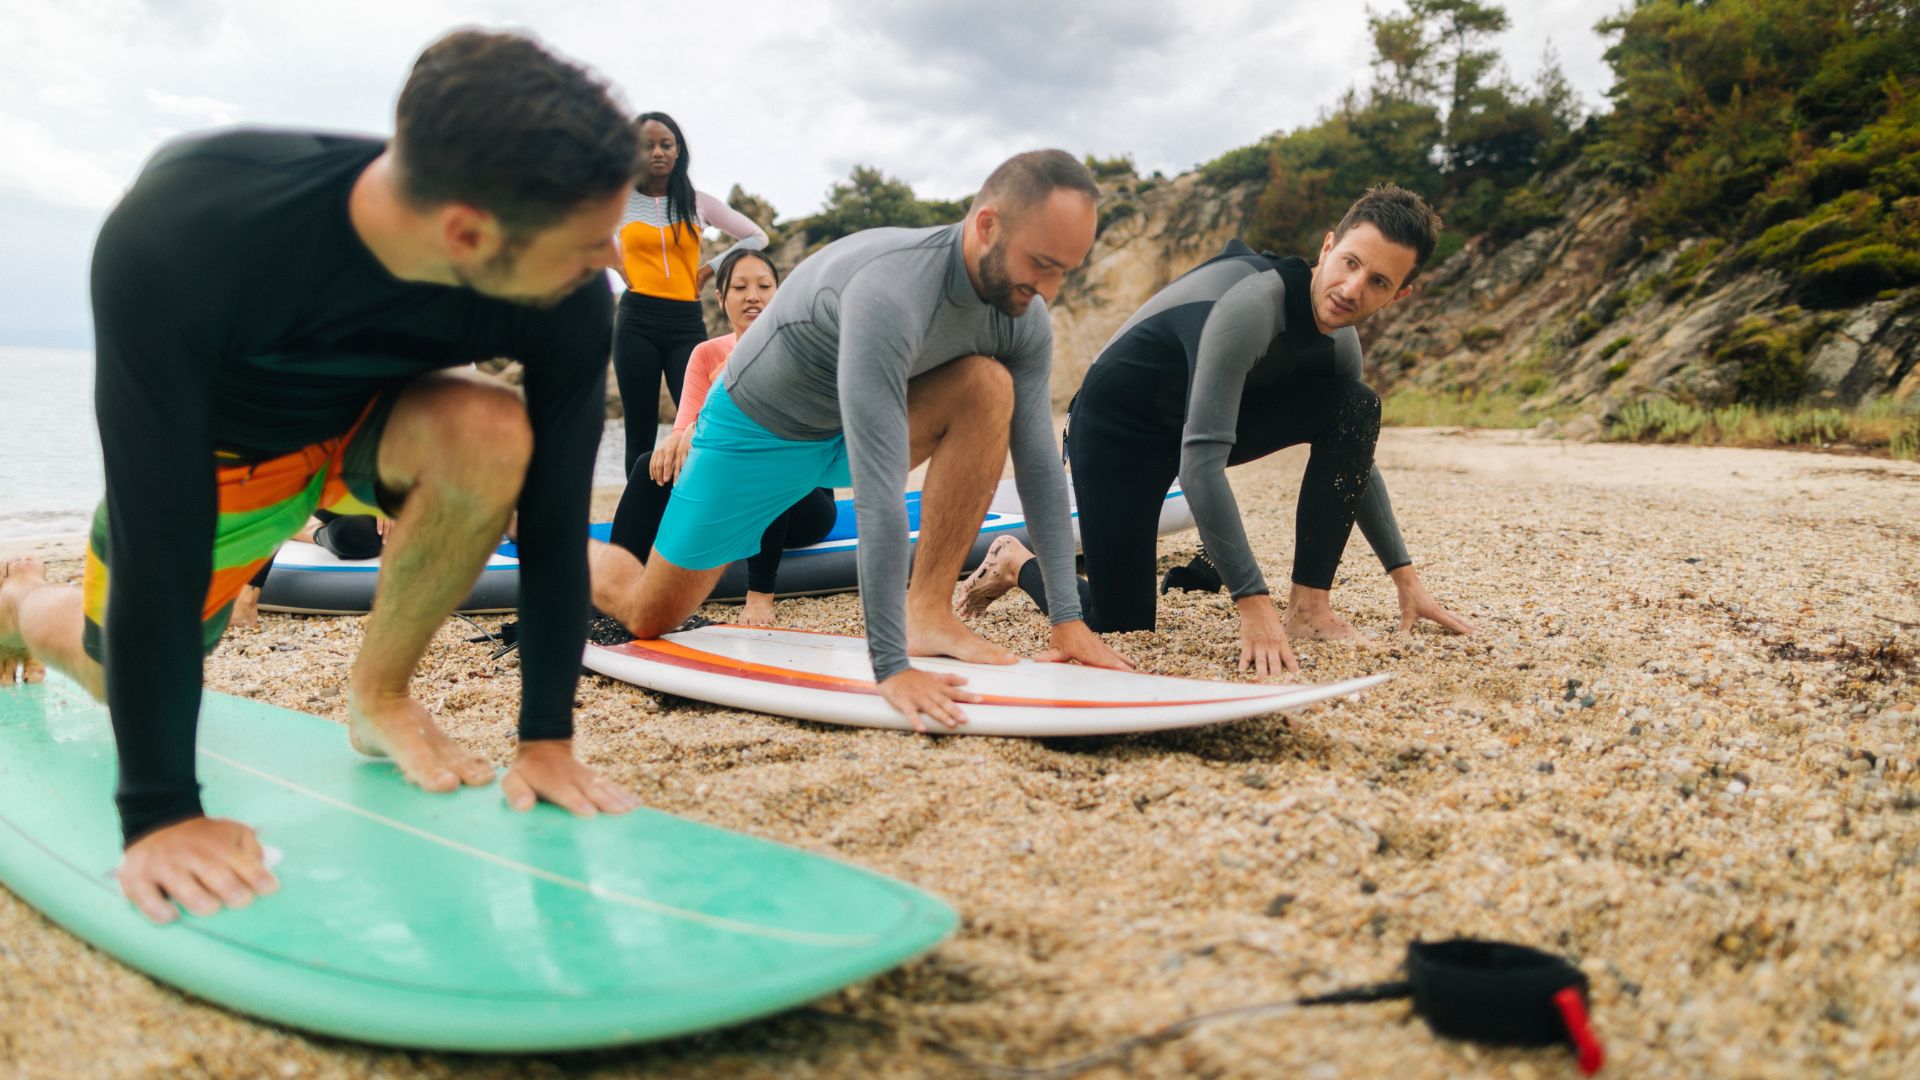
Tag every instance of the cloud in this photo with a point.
(781, 98)
(39, 165)
(204, 109)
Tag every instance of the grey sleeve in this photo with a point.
(1238, 330)
(1376, 518)
(877, 337)
(1037, 474)
(714, 212)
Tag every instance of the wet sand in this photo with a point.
(1683, 751)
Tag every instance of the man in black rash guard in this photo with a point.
(1239, 357)
(275, 312)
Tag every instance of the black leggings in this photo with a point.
(1125, 457)
(651, 337)
(644, 503)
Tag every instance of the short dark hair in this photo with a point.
(1024, 181)
(724, 275)
(1401, 216)
(495, 120)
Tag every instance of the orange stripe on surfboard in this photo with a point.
(674, 654)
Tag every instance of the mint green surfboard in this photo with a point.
(442, 921)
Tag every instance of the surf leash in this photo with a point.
(1490, 992)
(602, 629)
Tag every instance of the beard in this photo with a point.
(997, 284)
(491, 278)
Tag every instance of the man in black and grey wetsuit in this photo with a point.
(280, 318)
(888, 348)
(1239, 357)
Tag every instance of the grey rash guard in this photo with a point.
(1229, 318)
(833, 353)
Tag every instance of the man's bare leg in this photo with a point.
(957, 417)
(41, 626)
(648, 600)
(1310, 617)
(456, 447)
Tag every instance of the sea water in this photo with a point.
(50, 478)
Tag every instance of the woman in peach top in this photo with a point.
(746, 282)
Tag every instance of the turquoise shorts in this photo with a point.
(739, 477)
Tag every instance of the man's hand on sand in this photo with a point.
(1264, 649)
(546, 769)
(1074, 641)
(914, 693)
(203, 864)
(1416, 604)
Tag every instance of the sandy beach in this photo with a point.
(1682, 751)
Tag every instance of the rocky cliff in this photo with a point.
(1577, 314)
(1576, 317)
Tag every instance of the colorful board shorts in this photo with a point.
(739, 477)
(262, 504)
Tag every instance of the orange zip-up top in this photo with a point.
(660, 256)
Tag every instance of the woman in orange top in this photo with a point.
(659, 320)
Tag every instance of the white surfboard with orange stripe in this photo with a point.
(826, 677)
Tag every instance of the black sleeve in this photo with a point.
(566, 379)
(153, 302)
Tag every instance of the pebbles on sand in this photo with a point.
(1683, 751)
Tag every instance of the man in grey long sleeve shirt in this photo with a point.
(1239, 357)
(885, 349)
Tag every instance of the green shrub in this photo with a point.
(1815, 427)
(1444, 248)
(1876, 424)
(1732, 419)
(1686, 269)
(1111, 168)
(1115, 210)
(1658, 420)
(1771, 352)
(1615, 345)
(1905, 443)
(1239, 165)
(1481, 334)
(1853, 273)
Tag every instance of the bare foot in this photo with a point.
(1324, 625)
(401, 729)
(943, 634)
(757, 611)
(246, 607)
(996, 575)
(23, 575)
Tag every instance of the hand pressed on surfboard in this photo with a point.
(1075, 642)
(914, 693)
(203, 864)
(546, 769)
(1264, 648)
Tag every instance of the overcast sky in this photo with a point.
(780, 96)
